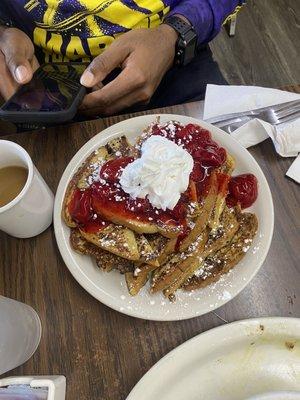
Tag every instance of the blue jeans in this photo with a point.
(186, 84)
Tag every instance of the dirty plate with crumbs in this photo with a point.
(237, 361)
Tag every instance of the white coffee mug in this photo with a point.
(30, 213)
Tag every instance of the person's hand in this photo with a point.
(17, 60)
(144, 55)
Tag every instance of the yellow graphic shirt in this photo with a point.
(79, 30)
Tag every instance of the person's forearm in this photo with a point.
(207, 16)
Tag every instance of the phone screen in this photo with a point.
(52, 88)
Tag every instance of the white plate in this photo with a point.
(231, 362)
(278, 395)
(110, 288)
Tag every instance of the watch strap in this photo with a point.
(180, 26)
(187, 40)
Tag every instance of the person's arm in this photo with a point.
(207, 16)
(145, 55)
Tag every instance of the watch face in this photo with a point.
(188, 49)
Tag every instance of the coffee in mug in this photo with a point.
(12, 181)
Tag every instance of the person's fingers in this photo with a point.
(126, 102)
(134, 98)
(8, 85)
(102, 65)
(97, 87)
(94, 89)
(18, 52)
(129, 80)
(19, 67)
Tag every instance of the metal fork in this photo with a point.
(275, 115)
(273, 118)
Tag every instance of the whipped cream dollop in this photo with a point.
(161, 173)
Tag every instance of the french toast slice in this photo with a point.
(81, 245)
(161, 248)
(115, 239)
(158, 244)
(105, 260)
(109, 261)
(123, 243)
(137, 279)
(80, 181)
(224, 173)
(215, 241)
(135, 283)
(147, 253)
(89, 170)
(204, 213)
(227, 257)
(136, 225)
(229, 224)
(119, 147)
(177, 264)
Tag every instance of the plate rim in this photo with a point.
(211, 332)
(88, 284)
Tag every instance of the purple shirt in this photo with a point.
(207, 16)
(79, 30)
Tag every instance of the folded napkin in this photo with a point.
(230, 99)
(294, 170)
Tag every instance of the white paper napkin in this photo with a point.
(294, 170)
(229, 99)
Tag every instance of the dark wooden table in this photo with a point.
(102, 352)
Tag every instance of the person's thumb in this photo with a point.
(18, 51)
(21, 70)
(102, 65)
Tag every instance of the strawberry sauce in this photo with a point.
(243, 190)
(82, 212)
(93, 207)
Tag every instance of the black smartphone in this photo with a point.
(52, 96)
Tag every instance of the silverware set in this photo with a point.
(275, 115)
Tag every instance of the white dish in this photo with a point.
(110, 288)
(232, 362)
(279, 395)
